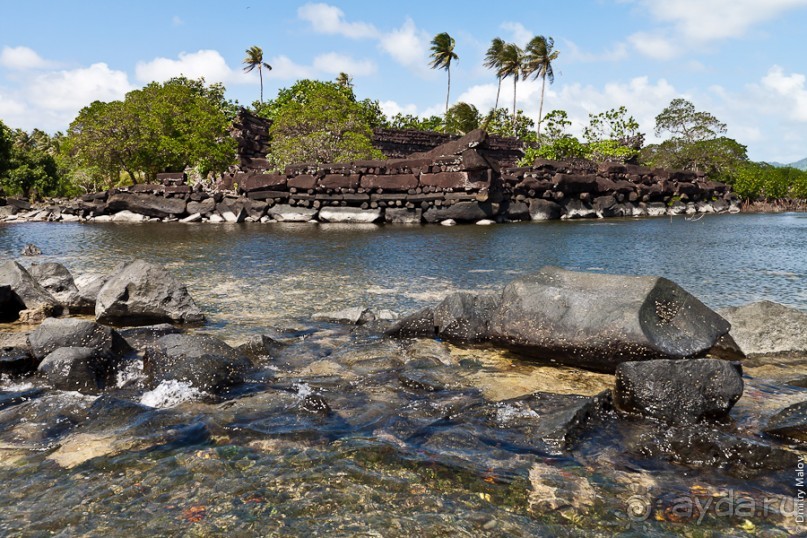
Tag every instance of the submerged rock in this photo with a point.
(16, 361)
(465, 316)
(790, 423)
(143, 294)
(682, 391)
(205, 362)
(766, 328)
(351, 316)
(31, 250)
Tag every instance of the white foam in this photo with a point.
(171, 393)
(132, 371)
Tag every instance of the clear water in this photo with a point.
(386, 461)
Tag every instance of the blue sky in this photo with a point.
(742, 60)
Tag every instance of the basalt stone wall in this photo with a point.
(460, 180)
(251, 132)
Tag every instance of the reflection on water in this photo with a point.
(253, 274)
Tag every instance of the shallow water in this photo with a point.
(421, 439)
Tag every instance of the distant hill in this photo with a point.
(801, 165)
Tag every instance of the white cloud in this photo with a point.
(204, 63)
(335, 63)
(21, 58)
(655, 45)
(407, 45)
(71, 90)
(709, 20)
(391, 108)
(10, 107)
(791, 88)
(283, 68)
(518, 33)
(327, 19)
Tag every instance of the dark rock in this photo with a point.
(517, 211)
(403, 216)
(140, 338)
(598, 321)
(456, 180)
(790, 423)
(260, 182)
(146, 204)
(83, 369)
(474, 139)
(54, 333)
(420, 323)
(465, 316)
(461, 212)
(575, 184)
(10, 305)
(55, 278)
(678, 391)
(204, 207)
(9, 399)
(32, 295)
(544, 210)
(392, 182)
(350, 316)
(768, 329)
(31, 250)
(258, 347)
(16, 361)
(205, 362)
(144, 294)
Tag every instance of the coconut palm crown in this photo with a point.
(493, 60)
(253, 59)
(512, 65)
(442, 55)
(540, 54)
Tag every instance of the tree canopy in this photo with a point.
(320, 122)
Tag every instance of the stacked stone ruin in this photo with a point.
(459, 181)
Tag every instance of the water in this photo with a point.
(248, 275)
(395, 457)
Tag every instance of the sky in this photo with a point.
(742, 60)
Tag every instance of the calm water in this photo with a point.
(390, 458)
(247, 275)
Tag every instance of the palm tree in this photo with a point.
(540, 55)
(442, 55)
(344, 80)
(493, 60)
(512, 65)
(253, 59)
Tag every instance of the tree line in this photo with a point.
(183, 124)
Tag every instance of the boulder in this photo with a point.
(598, 321)
(90, 284)
(351, 316)
(54, 333)
(766, 328)
(55, 278)
(288, 213)
(678, 391)
(140, 338)
(790, 423)
(349, 214)
(33, 296)
(403, 216)
(465, 316)
(461, 212)
(421, 323)
(143, 294)
(82, 369)
(10, 305)
(205, 362)
(31, 250)
(544, 210)
(147, 204)
(127, 216)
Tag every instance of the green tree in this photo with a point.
(320, 122)
(493, 60)
(613, 135)
(5, 148)
(512, 65)
(500, 122)
(410, 121)
(442, 55)
(684, 123)
(31, 169)
(556, 122)
(462, 118)
(540, 54)
(253, 59)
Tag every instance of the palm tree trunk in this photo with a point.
(260, 74)
(515, 111)
(541, 106)
(498, 91)
(448, 69)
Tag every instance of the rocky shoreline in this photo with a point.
(458, 182)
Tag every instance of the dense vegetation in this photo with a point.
(183, 124)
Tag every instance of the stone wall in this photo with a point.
(251, 132)
(459, 181)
